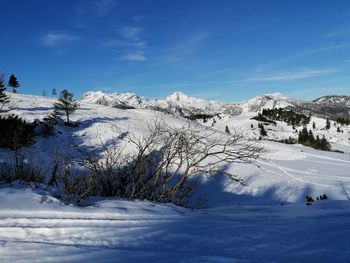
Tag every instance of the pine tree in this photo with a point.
(311, 138)
(54, 92)
(227, 130)
(313, 125)
(4, 99)
(262, 130)
(328, 124)
(338, 129)
(66, 105)
(325, 144)
(13, 83)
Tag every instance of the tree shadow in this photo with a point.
(345, 191)
(37, 108)
(219, 190)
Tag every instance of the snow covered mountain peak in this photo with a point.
(181, 104)
(177, 96)
(117, 100)
(180, 99)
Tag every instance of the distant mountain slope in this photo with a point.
(180, 104)
(336, 99)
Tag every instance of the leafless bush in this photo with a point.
(22, 169)
(160, 166)
(167, 158)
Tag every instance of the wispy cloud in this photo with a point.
(57, 39)
(104, 7)
(123, 43)
(130, 32)
(294, 75)
(134, 57)
(182, 50)
(339, 32)
(129, 43)
(323, 49)
(85, 9)
(139, 18)
(319, 51)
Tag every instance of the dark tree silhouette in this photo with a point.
(13, 83)
(66, 105)
(4, 99)
(262, 130)
(54, 92)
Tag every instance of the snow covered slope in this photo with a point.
(240, 224)
(334, 99)
(35, 227)
(286, 173)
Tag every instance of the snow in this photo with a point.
(282, 166)
(239, 224)
(187, 103)
(334, 99)
(45, 230)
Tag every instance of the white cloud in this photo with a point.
(135, 57)
(129, 43)
(130, 32)
(301, 74)
(57, 39)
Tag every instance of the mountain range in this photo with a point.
(180, 104)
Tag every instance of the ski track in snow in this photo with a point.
(230, 234)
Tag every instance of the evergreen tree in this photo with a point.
(338, 129)
(311, 138)
(227, 130)
(303, 136)
(262, 130)
(54, 92)
(328, 124)
(4, 99)
(313, 125)
(66, 105)
(325, 144)
(13, 83)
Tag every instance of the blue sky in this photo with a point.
(218, 50)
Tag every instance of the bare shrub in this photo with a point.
(22, 169)
(167, 158)
(163, 164)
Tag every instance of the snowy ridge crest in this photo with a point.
(181, 104)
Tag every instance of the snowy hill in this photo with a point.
(240, 222)
(280, 168)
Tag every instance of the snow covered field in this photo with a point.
(240, 224)
(41, 229)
